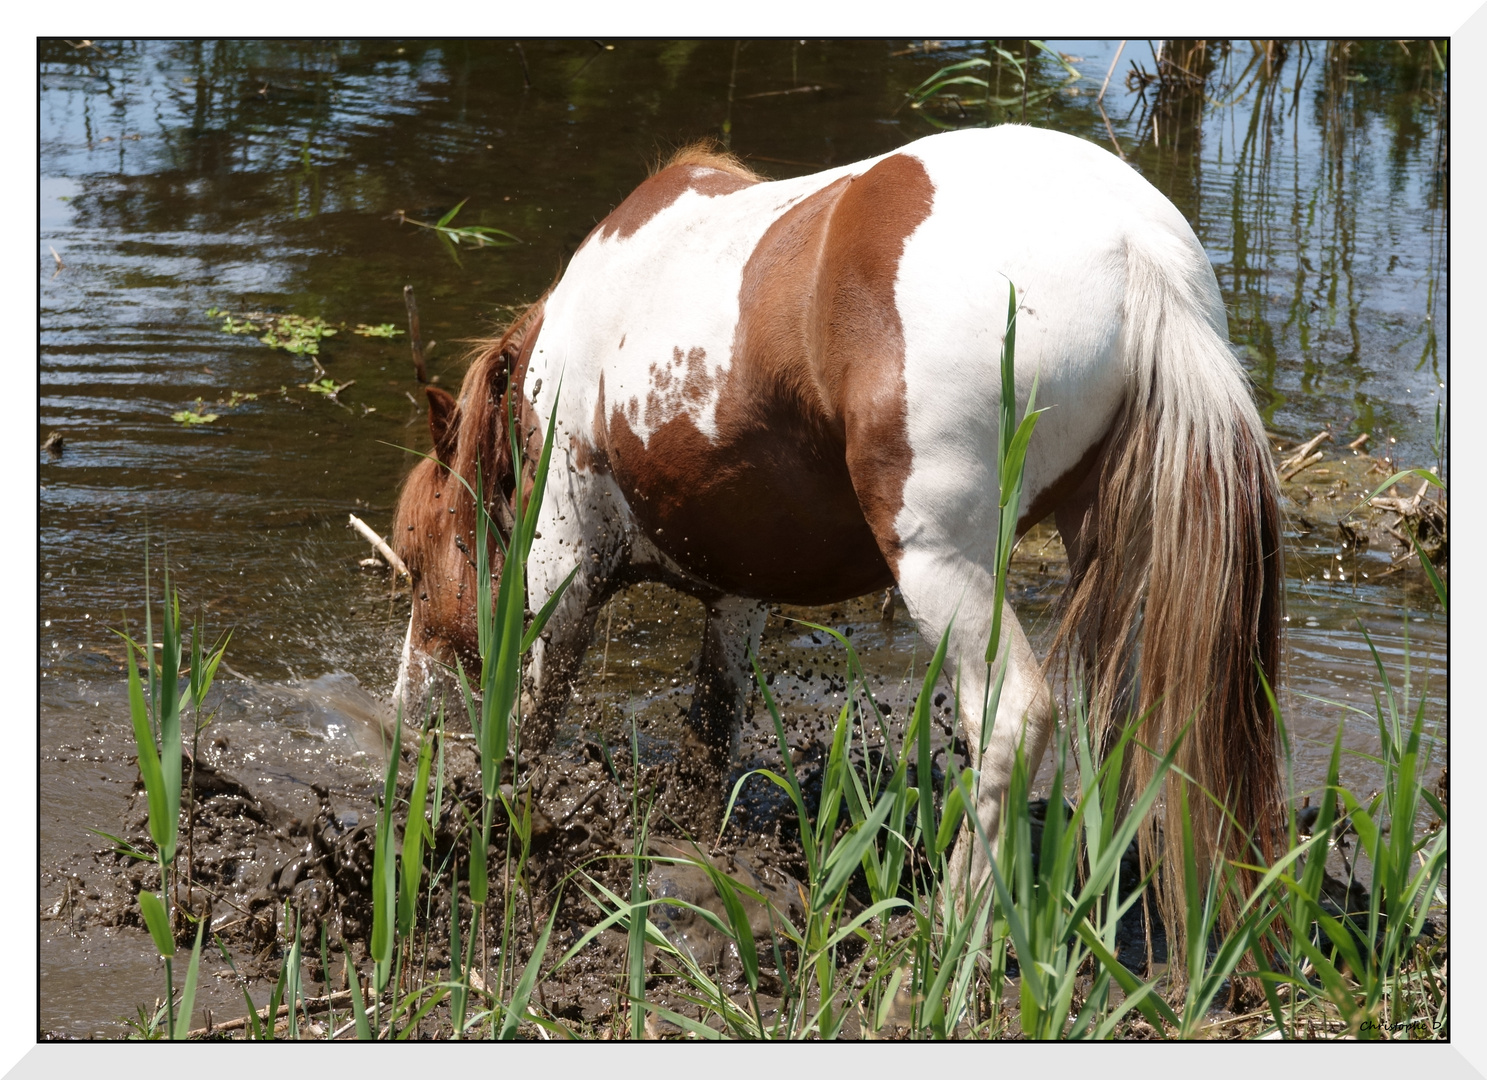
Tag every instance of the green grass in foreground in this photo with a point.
(920, 959)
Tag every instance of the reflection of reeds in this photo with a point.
(943, 87)
(1174, 112)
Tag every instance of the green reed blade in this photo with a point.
(384, 867)
(156, 919)
(447, 218)
(516, 1007)
(147, 756)
(188, 993)
(539, 621)
(848, 855)
(358, 1007)
(414, 833)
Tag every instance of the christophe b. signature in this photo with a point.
(1418, 1028)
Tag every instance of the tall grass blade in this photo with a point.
(414, 834)
(148, 755)
(847, 855)
(516, 1009)
(479, 877)
(1430, 572)
(635, 954)
(384, 869)
(158, 922)
(254, 1029)
(539, 621)
(170, 719)
(358, 1006)
(188, 992)
(919, 731)
(293, 988)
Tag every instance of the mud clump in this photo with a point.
(257, 866)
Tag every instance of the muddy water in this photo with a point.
(180, 177)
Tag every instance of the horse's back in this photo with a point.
(763, 365)
(684, 339)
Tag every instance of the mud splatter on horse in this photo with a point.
(789, 391)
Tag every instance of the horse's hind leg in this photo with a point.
(724, 675)
(948, 590)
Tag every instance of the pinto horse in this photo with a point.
(789, 391)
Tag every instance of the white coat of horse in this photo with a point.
(789, 391)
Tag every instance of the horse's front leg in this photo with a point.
(556, 657)
(568, 537)
(725, 676)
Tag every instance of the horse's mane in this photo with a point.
(707, 154)
(473, 442)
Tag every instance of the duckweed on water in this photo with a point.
(381, 330)
(194, 416)
(329, 387)
(297, 334)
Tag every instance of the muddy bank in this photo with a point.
(285, 780)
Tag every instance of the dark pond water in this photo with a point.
(269, 177)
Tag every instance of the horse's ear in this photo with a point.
(443, 424)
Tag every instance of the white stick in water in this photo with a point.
(380, 545)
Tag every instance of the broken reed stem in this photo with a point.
(415, 335)
(340, 997)
(1305, 463)
(1105, 85)
(1404, 507)
(1304, 450)
(608, 624)
(1111, 132)
(379, 545)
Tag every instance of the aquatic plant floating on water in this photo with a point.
(231, 325)
(451, 235)
(329, 387)
(192, 417)
(297, 334)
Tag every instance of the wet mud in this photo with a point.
(260, 856)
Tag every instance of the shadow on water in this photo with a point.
(267, 177)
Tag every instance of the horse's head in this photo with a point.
(434, 525)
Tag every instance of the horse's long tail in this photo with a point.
(1177, 596)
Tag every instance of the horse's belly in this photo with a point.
(768, 512)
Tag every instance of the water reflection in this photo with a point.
(179, 176)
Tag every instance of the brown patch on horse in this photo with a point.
(434, 522)
(861, 336)
(794, 499)
(692, 168)
(675, 385)
(592, 454)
